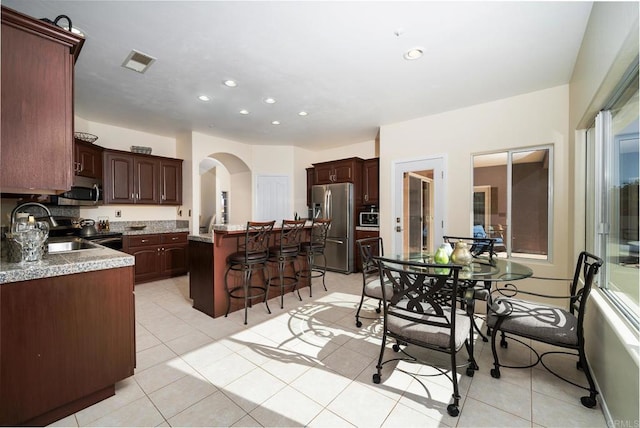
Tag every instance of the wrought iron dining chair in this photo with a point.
(369, 248)
(423, 311)
(286, 253)
(252, 254)
(512, 317)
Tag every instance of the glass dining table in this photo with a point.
(482, 268)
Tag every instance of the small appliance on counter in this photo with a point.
(369, 218)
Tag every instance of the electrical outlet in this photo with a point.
(118, 213)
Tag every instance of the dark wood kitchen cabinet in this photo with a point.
(339, 171)
(362, 234)
(66, 340)
(158, 256)
(87, 160)
(141, 179)
(37, 105)
(310, 183)
(170, 181)
(370, 181)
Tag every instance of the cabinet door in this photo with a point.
(148, 263)
(171, 181)
(118, 184)
(343, 171)
(310, 183)
(362, 234)
(371, 181)
(37, 106)
(88, 160)
(146, 179)
(174, 259)
(323, 173)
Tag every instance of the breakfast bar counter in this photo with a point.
(208, 262)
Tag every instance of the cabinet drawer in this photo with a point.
(143, 240)
(174, 238)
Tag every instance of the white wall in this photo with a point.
(527, 120)
(609, 46)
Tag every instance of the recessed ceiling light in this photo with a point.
(244, 111)
(204, 98)
(303, 113)
(269, 100)
(230, 83)
(413, 53)
(275, 122)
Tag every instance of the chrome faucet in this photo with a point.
(37, 204)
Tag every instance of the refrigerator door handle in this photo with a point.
(327, 202)
(334, 241)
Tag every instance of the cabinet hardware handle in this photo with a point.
(174, 239)
(144, 240)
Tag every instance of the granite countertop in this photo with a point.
(65, 264)
(369, 228)
(151, 227)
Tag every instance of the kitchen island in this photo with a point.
(66, 333)
(208, 261)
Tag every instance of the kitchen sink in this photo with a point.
(65, 245)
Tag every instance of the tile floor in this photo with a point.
(308, 365)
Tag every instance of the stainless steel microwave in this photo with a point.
(369, 219)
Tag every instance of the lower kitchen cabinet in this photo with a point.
(158, 256)
(66, 340)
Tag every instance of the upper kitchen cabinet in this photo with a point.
(339, 171)
(370, 181)
(310, 182)
(171, 181)
(87, 160)
(37, 105)
(141, 179)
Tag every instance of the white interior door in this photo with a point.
(273, 198)
(434, 169)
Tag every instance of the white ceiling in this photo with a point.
(340, 61)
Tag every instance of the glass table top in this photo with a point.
(481, 268)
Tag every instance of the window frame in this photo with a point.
(510, 152)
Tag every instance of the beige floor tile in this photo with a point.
(152, 356)
(351, 402)
(477, 414)
(503, 395)
(548, 413)
(402, 416)
(193, 339)
(162, 374)
(252, 389)
(223, 371)
(69, 421)
(320, 385)
(140, 413)
(181, 394)
(216, 410)
(286, 408)
(329, 419)
(127, 391)
(203, 356)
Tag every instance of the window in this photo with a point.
(613, 164)
(512, 200)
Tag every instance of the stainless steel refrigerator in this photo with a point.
(336, 201)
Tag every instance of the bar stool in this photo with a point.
(315, 247)
(287, 253)
(252, 254)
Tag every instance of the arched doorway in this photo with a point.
(225, 190)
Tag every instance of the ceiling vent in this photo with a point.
(138, 61)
